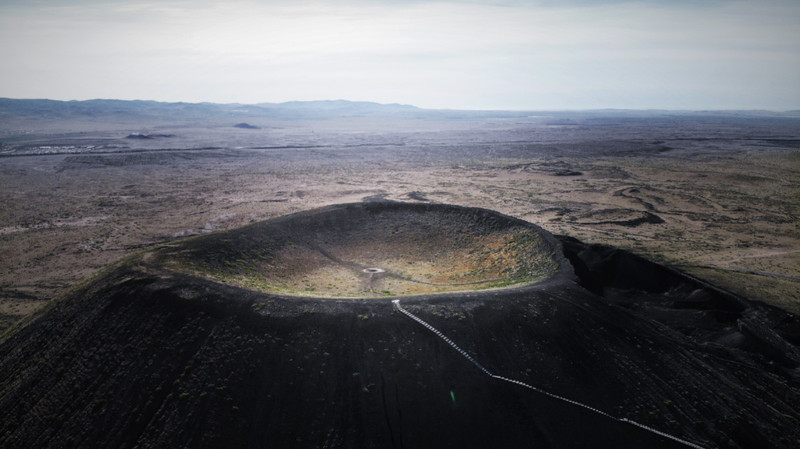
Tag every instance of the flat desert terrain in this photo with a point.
(714, 195)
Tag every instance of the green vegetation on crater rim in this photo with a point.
(329, 252)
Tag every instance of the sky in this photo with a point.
(454, 54)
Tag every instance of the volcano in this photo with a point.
(396, 325)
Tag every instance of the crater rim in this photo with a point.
(333, 252)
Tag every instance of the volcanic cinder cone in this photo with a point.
(284, 334)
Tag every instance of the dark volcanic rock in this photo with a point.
(417, 196)
(622, 217)
(246, 126)
(144, 356)
(149, 136)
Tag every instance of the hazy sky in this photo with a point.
(548, 54)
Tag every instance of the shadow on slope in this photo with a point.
(147, 357)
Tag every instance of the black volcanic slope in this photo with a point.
(160, 352)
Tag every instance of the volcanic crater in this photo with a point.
(373, 249)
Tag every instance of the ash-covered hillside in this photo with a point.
(149, 354)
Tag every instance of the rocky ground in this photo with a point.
(716, 196)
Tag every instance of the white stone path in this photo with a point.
(405, 312)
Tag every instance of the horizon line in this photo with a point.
(343, 100)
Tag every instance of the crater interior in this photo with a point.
(372, 249)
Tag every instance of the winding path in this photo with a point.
(405, 312)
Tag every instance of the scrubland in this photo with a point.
(717, 197)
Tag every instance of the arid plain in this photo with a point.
(715, 195)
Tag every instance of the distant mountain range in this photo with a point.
(294, 110)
